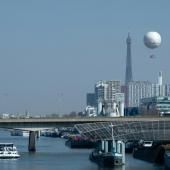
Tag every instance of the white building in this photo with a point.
(109, 98)
(137, 90)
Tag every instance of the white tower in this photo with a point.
(160, 85)
(160, 78)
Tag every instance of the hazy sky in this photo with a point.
(53, 51)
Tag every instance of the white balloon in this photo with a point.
(152, 39)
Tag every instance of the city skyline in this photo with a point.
(52, 53)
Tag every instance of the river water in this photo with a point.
(52, 154)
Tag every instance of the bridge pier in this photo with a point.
(38, 133)
(31, 144)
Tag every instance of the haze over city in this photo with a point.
(53, 52)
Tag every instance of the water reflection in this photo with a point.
(114, 168)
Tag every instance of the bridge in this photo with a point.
(34, 125)
(102, 128)
(43, 123)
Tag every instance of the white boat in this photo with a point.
(8, 150)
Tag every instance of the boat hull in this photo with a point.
(9, 157)
(105, 159)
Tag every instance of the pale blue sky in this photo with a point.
(53, 51)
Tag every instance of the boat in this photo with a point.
(80, 142)
(50, 132)
(154, 152)
(19, 133)
(107, 159)
(129, 145)
(8, 150)
(167, 160)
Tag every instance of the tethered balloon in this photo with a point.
(152, 40)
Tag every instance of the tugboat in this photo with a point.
(107, 159)
(8, 150)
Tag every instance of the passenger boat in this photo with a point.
(8, 150)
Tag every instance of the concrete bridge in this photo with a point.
(67, 122)
(34, 125)
(124, 128)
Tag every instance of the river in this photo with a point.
(52, 154)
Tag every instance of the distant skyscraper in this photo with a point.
(90, 99)
(128, 76)
(137, 90)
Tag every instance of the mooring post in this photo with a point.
(105, 146)
(123, 153)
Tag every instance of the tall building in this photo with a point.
(90, 99)
(137, 90)
(128, 76)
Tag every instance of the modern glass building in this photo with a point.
(90, 99)
(160, 105)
